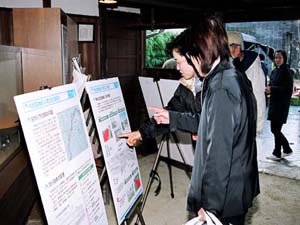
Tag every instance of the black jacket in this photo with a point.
(248, 60)
(182, 101)
(281, 83)
(225, 173)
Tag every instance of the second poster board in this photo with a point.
(121, 162)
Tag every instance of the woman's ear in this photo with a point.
(196, 61)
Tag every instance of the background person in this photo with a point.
(280, 90)
(225, 174)
(248, 62)
(169, 64)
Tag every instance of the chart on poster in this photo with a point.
(121, 161)
(61, 156)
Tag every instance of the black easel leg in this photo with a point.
(152, 175)
(140, 216)
(169, 167)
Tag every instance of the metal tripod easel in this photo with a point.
(155, 176)
(153, 173)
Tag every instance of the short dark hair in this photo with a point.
(283, 53)
(206, 40)
(179, 43)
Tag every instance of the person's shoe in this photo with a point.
(273, 157)
(286, 154)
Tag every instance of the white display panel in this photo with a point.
(151, 95)
(78, 7)
(21, 3)
(120, 161)
(167, 87)
(60, 152)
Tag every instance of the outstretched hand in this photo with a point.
(133, 138)
(160, 115)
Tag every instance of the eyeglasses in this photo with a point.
(181, 62)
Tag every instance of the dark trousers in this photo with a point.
(280, 139)
(234, 220)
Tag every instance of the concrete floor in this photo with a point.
(289, 167)
(164, 210)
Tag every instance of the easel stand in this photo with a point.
(136, 208)
(153, 172)
(92, 132)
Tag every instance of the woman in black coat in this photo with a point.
(184, 107)
(280, 88)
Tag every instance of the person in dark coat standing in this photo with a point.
(225, 176)
(280, 90)
(186, 99)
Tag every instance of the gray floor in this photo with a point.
(289, 167)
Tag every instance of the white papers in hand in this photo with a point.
(211, 220)
(194, 221)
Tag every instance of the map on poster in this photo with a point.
(72, 129)
(61, 156)
(121, 161)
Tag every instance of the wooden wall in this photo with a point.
(123, 59)
(6, 32)
(117, 52)
(90, 51)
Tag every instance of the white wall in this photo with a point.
(21, 3)
(78, 7)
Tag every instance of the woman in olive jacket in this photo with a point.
(281, 89)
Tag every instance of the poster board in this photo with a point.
(151, 95)
(61, 156)
(121, 161)
(167, 89)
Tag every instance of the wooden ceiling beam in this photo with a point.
(175, 16)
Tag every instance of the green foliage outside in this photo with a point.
(156, 53)
(295, 101)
